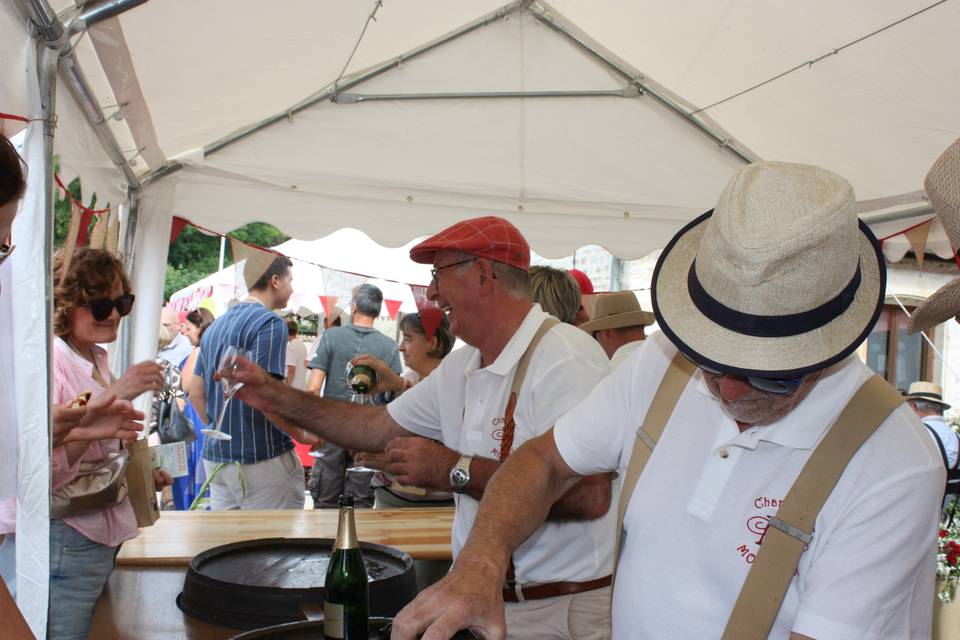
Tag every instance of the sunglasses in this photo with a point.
(101, 308)
(5, 251)
(773, 386)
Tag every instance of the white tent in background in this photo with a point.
(345, 250)
(605, 122)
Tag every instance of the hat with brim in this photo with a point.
(779, 280)
(942, 186)
(926, 392)
(617, 310)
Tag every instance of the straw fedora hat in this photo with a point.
(615, 311)
(779, 280)
(943, 190)
(928, 392)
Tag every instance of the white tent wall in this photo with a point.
(149, 274)
(30, 376)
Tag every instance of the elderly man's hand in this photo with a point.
(419, 462)
(103, 418)
(387, 379)
(469, 597)
(260, 390)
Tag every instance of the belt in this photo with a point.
(518, 593)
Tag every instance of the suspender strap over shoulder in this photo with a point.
(671, 387)
(791, 530)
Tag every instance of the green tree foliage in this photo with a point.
(195, 255)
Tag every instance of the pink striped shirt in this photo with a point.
(73, 375)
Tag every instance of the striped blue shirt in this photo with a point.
(252, 326)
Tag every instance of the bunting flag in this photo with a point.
(393, 306)
(98, 236)
(255, 261)
(329, 303)
(176, 228)
(430, 312)
(917, 237)
(340, 284)
(73, 232)
(113, 234)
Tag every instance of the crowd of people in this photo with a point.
(738, 473)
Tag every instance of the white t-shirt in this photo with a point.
(701, 507)
(463, 406)
(297, 355)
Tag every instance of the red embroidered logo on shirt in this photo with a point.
(757, 525)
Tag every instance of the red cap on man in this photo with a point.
(488, 237)
(586, 285)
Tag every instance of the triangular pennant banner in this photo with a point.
(917, 237)
(176, 228)
(430, 312)
(340, 284)
(393, 306)
(86, 217)
(255, 260)
(328, 302)
(98, 236)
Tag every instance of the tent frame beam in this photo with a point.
(542, 12)
(336, 92)
(353, 98)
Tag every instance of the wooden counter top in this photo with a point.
(180, 535)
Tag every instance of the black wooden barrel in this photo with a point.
(379, 630)
(260, 583)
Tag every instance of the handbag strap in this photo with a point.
(671, 387)
(791, 530)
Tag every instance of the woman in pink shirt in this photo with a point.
(92, 294)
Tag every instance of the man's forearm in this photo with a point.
(507, 516)
(588, 499)
(352, 426)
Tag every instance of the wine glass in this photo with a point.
(356, 468)
(227, 361)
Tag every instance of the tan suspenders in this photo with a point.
(791, 530)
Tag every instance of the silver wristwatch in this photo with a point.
(460, 474)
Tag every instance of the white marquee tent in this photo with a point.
(606, 122)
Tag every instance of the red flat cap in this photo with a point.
(488, 237)
(586, 286)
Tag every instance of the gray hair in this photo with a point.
(368, 300)
(513, 281)
(927, 407)
(556, 291)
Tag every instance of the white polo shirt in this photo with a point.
(701, 507)
(462, 405)
(951, 443)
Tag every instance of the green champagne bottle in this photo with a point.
(362, 379)
(346, 608)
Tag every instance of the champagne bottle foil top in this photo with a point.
(347, 530)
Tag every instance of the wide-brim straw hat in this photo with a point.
(617, 310)
(779, 280)
(942, 186)
(928, 392)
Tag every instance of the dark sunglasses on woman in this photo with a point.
(5, 251)
(101, 308)
(773, 386)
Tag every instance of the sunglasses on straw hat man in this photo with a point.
(778, 281)
(942, 186)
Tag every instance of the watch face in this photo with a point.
(459, 478)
